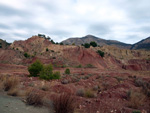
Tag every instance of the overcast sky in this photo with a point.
(123, 20)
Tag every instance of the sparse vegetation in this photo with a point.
(79, 66)
(80, 92)
(61, 43)
(86, 45)
(11, 83)
(46, 49)
(47, 73)
(89, 94)
(35, 68)
(136, 111)
(94, 44)
(101, 53)
(136, 99)
(67, 71)
(89, 66)
(26, 55)
(145, 86)
(64, 103)
(33, 97)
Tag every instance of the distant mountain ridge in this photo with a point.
(99, 41)
(143, 44)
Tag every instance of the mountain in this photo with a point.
(99, 41)
(4, 44)
(143, 44)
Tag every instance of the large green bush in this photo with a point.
(87, 45)
(47, 73)
(35, 68)
(94, 44)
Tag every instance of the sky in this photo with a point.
(123, 20)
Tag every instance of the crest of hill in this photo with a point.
(99, 41)
(4, 44)
(143, 44)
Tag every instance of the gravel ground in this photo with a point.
(9, 104)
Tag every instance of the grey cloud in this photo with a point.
(99, 29)
(3, 26)
(60, 32)
(145, 29)
(10, 11)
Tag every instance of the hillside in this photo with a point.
(143, 44)
(94, 81)
(99, 41)
(4, 44)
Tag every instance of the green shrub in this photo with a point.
(61, 43)
(79, 66)
(89, 94)
(94, 44)
(67, 71)
(56, 75)
(47, 73)
(46, 49)
(87, 45)
(35, 68)
(136, 111)
(101, 53)
(26, 55)
(89, 66)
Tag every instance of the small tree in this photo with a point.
(61, 43)
(46, 49)
(26, 55)
(87, 45)
(52, 42)
(35, 68)
(94, 44)
(67, 71)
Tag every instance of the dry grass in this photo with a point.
(136, 99)
(13, 92)
(44, 87)
(80, 92)
(11, 83)
(89, 94)
(64, 103)
(33, 97)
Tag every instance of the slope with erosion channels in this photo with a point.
(41, 48)
(109, 79)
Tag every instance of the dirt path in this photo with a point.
(10, 104)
